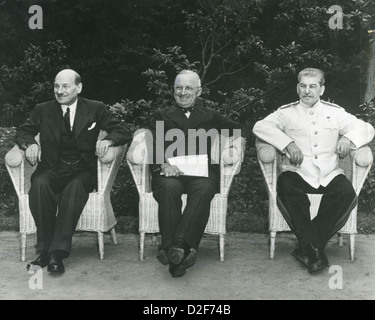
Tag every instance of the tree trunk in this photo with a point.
(368, 78)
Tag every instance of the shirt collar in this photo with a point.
(187, 110)
(72, 107)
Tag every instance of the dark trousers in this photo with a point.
(65, 191)
(338, 200)
(190, 224)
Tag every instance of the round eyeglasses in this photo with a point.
(188, 89)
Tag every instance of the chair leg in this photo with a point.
(141, 245)
(352, 245)
(113, 234)
(222, 243)
(101, 245)
(340, 239)
(23, 247)
(154, 239)
(272, 244)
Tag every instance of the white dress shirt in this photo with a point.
(73, 109)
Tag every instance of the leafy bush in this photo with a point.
(247, 53)
(367, 196)
(247, 200)
(8, 197)
(28, 83)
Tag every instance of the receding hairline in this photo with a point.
(77, 77)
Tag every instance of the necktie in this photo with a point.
(67, 119)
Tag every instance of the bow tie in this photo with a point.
(186, 110)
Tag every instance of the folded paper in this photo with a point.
(193, 165)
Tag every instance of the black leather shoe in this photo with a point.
(42, 261)
(301, 256)
(318, 259)
(176, 255)
(176, 270)
(163, 257)
(56, 263)
(190, 258)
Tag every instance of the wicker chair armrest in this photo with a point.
(137, 160)
(235, 153)
(268, 159)
(137, 153)
(15, 157)
(230, 163)
(266, 152)
(108, 167)
(358, 166)
(138, 150)
(19, 169)
(363, 156)
(110, 155)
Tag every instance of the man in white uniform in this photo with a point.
(313, 134)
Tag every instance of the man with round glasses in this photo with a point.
(181, 232)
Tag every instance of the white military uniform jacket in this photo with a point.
(316, 131)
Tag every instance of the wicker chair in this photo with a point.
(97, 215)
(356, 167)
(230, 165)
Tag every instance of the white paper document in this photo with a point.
(194, 165)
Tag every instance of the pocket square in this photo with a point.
(92, 126)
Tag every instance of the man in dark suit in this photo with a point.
(182, 233)
(66, 157)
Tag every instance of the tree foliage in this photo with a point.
(247, 52)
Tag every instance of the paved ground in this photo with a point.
(246, 273)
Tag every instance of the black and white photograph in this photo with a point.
(187, 155)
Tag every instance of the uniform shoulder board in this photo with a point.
(289, 105)
(330, 104)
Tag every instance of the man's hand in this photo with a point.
(343, 147)
(102, 147)
(170, 170)
(295, 154)
(33, 154)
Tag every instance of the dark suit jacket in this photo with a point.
(45, 120)
(200, 118)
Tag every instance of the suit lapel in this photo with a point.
(177, 116)
(54, 118)
(196, 117)
(80, 118)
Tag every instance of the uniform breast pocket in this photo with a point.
(296, 128)
(297, 133)
(330, 124)
(330, 131)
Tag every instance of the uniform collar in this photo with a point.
(318, 103)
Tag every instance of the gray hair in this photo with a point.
(312, 72)
(77, 79)
(196, 76)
